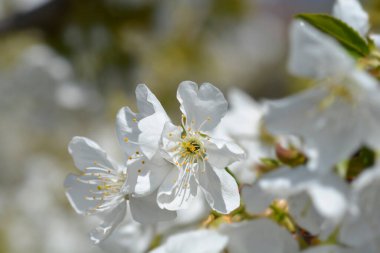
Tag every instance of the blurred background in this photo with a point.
(67, 66)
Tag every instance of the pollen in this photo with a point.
(134, 120)
(126, 139)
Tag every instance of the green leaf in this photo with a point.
(343, 33)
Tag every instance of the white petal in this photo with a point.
(242, 106)
(199, 241)
(145, 176)
(160, 249)
(147, 102)
(110, 221)
(203, 107)
(146, 211)
(197, 211)
(76, 191)
(222, 153)
(330, 197)
(328, 249)
(323, 129)
(142, 131)
(285, 182)
(220, 189)
(171, 136)
(127, 130)
(373, 121)
(239, 100)
(255, 199)
(352, 13)
(314, 54)
(302, 210)
(246, 169)
(376, 39)
(363, 222)
(151, 128)
(87, 153)
(261, 235)
(130, 236)
(175, 194)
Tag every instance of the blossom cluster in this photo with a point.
(299, 174)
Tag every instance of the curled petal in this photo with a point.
(147, 102)
(110, 221)
(87, 154)
(220, 189)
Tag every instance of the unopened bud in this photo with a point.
(290, 156)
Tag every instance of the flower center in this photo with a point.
(192, 147)
(337, 91)
(189, 154)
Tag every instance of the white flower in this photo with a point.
(341, 113)
(101, 190)
(191, 156)
(199, 241)
(199, 159)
